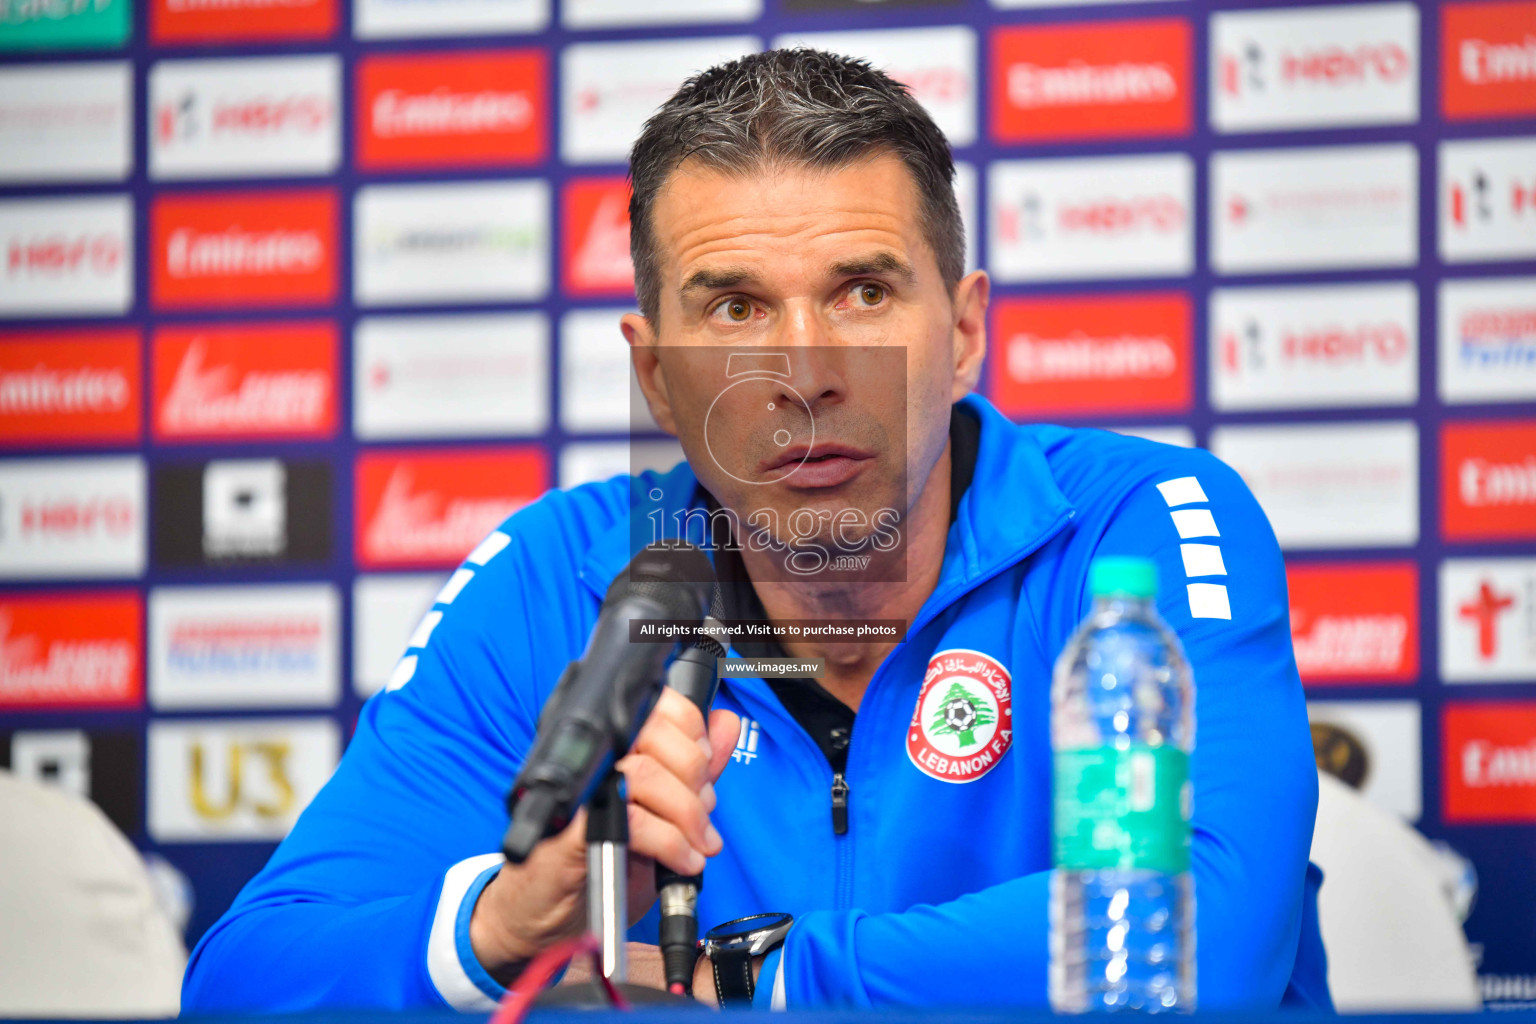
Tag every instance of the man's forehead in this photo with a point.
(726, 221)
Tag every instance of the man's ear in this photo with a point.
(645, 355)
(970, 331)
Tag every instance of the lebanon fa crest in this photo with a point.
(963, 723)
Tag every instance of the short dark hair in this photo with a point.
(800, 106)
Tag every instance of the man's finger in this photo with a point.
(652, 786)
(650, 836)
(724, 730)
(680, 711)
(670, 746)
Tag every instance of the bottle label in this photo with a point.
(1122, 809)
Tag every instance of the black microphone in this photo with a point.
(695, 674)
(602, 699)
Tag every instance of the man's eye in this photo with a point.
(870, 294)
(738, 310)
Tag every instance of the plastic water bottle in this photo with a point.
(1122, 726)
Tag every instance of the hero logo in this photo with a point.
(476, 107)
(1488, 620)
(72, 388)
(1355, 623)
(1314, 347)
(1487, 200)
(1098, 217)
(72, 517)
(1488, 484)
(245, 118)
(432, 509)
(248, 381)
(1092, 355)
(596, 237)
(1488, 339)
(239, 249)
(1128, 78)
(66, 256)
(1317, 67)
(1488, 59)
(70, 649)
(1490, 761)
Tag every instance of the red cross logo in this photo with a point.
(1485, 610)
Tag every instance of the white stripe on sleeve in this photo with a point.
(443, 966)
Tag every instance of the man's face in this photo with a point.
(806, 351)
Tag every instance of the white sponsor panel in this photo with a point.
(396, 19)
(64, 518)
(589, 461)
(1488, 340)
(607, 90)
(967, 195)
(451, 376)
(616, 13)
(598, 389)
(244, 646)
(66, 257)
(1487, 200)
(1314, 347)
(1330, 485)
(1314, 209)
(53, 757)
(244, 117)
(1488, 620)
(66, 122)
(223, 779)
(937, 64)
(1374, 746)
(1179, 437)
(1314, 67)
(1111, 217)
(386, 608)
(457, 242)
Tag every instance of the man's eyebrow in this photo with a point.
(715, 279)
(875, 263)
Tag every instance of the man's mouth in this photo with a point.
(826, 464)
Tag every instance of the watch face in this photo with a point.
(751, 934)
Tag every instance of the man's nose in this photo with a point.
(816, 370)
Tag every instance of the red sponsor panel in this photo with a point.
(1091, 355)
(1118, 79)
(430, 508)
(1489, 764)
(1355, 623)
(75, 388)
(1488, 480)
(245, 381)
(77, 649)
(243, 249)
(220, 21)
(594, 256)
(1488, 60)
(461, 109)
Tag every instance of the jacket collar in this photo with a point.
(1012, 507)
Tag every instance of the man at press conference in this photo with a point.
(802, 203)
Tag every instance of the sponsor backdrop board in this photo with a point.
(299, 300)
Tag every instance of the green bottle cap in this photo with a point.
(1123, 575)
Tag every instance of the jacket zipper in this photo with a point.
(839, 805)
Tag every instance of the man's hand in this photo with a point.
(669, 777)
(646, 967)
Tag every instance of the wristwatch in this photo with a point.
(731, 947)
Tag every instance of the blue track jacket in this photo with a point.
(937, 892)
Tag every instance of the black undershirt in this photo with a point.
(826, 719)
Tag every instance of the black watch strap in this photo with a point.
(733, 978)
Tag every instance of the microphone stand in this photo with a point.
(608, 875)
